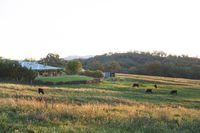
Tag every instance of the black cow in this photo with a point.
(148, 91)
(40, 90)
(173, 92)
(155, 86)
(135, 85)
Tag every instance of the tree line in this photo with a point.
(146, 63)
(155, 63)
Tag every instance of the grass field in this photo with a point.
(112, 106)
(64, 78)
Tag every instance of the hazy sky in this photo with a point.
(33, 28)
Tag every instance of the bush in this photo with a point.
(95, 74)
(74, 67)
(13, 71)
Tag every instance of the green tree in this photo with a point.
(97, 65)
(153, 68)
(113, 67)
(53, 60)
(132, 70)
(12, 70)
(74, 66)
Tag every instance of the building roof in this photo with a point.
(37, 66)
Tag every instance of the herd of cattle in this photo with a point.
(41, 91)
(155, 86)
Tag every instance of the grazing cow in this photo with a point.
(173, 92)
(155, 86)
(135, 85)
(148, 91)
(40, 90)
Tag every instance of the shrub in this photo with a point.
(95, 74)
(74, 66)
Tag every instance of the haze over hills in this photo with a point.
(78, 57)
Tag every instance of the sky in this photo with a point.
(34, 28)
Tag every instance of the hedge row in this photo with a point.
(38, 82)
(95, 74)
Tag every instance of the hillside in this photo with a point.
(157, 63)
(113, 106)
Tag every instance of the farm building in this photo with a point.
(109, 74)
(43, 70)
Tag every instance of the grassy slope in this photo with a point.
(109, 107)
(64, 78)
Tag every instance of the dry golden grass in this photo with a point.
(105, 111)
(107, 107)
(88, 90)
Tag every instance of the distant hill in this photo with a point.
(78, 57)
(156, 63)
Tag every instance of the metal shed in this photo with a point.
(37, 66)
(43, 70)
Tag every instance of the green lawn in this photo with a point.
(64, 78)
(113, 106)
